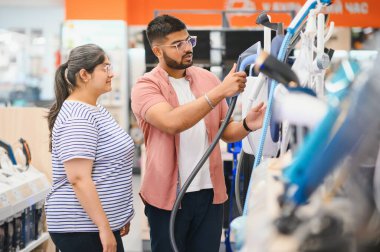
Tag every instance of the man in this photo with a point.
(180, 109)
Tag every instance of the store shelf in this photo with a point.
(5, 212)
(11, 210)
(34, 244)
(29, 201)
(25, 190)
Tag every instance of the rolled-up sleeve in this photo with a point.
(144, 95)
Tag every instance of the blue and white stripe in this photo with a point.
(85, 131)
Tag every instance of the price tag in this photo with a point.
(12, 197)
(25, 191)
(33, 187)
(45, 183)
(3, 201)
(39, 184)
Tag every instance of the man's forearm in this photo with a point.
(186, 116)
(234, 132)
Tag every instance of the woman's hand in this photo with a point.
(125, 230)
(108, 240)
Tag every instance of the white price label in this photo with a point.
(39, 184)
(12, 197)
(34, 186)
(18, 195)
(25, 191)
(3, 201)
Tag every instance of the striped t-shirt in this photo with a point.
(90, 132)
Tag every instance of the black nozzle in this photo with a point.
(275, 69)
(287, 224)
(263, 20)
(248, 71)
(329, 52)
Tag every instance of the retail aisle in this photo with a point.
(132, 242)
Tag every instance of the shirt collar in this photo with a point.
(165, 75)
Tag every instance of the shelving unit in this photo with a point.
(21, 191)
(25, 189)
(34, 244)
(30, 187)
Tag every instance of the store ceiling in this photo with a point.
(32, 3)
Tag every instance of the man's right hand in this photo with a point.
(108, 240)
(234, 82)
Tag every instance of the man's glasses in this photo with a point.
(181, 45)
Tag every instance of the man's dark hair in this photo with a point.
(162, 26)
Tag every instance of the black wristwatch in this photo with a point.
(246, 126)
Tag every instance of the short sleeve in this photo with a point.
(144, 95)
(76, 138)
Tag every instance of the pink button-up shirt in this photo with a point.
(161, 183)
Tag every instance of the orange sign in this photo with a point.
(348, 13)
(96, 10)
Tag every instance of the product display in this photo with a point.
(315, 130)
(22, 193)
(17, 241)
(39, 221)
(2, 237)
(9, 232)
(306, 178)
(8, 149)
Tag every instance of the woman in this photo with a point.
(90, 203)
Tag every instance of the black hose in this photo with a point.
(196, 170)
(237, 184)
(245, 164)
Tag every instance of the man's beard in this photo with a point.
(173, 64)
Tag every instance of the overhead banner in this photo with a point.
(345, 13)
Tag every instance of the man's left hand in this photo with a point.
(255, 117)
